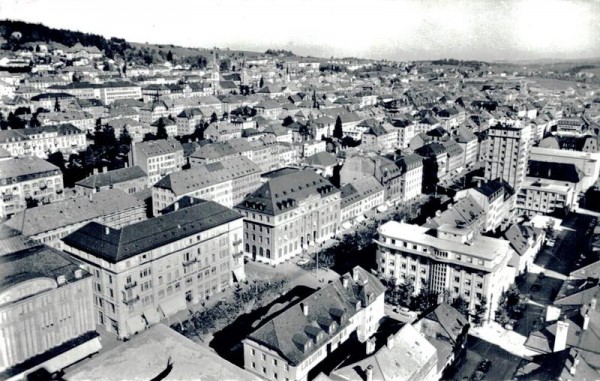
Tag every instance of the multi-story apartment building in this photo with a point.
(80, 119)
(187, 121)
(508, 152)
(107, 92)
(467, 140)
(45, 304)
(42, 141)
(49, 223)
(129, 180)
(157, 158)
(292, 343)
(359, 197)
(154, 268)
(28, 179)
(544, 196)
(411, 178)
(449, 258)
(496, 198)
(293, 209)
(384, 170)
(227, 182)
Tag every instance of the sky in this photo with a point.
(392, 29)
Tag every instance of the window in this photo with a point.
(253, 351)
(264, 370)
(253, 365)
(263, 356)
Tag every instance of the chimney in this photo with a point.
(586, 321)
(369, 373)
(560, 339)
(95, 171)
(345, 282)
(355, 274)
(176, 206)
(106, 230)
(370, 346)
(390, 342)
(592, 304)
(61, 279)
(573, 368)
(305, 309)
(78, 274)
(104, 169)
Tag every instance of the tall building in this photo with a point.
(293, 209)
(153, 269)
(46, 313)
(508, 146)
(448, 258)
(292, 343)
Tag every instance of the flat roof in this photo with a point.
(481, 246)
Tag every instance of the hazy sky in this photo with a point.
(395, 29)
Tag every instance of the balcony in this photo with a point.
(130, 285)
(131, 300)
(237, 242)
(190, 262)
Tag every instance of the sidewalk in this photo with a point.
(508, 340)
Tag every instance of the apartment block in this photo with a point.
(293, 209)
(152, 269)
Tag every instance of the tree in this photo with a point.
(425, 298)
(161, 130)
(261, 84)
(461, 305)
(225, 64)
(56, 105)
(287, 121)
(34, 122)
(31, 202)
(57, 159)
(480, 312)
(337, 129)
(124, 137)
(170, 56)
(214, 118)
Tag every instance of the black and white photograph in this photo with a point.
(299, 190)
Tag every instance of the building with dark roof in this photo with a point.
(152, 269)
(289, 345)
(47, 314)
(293, 209)
(384, 170)
(526, 241)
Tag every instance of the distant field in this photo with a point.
(558, 84)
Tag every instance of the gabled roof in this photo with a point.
(114, 245)
(321, 159)
(59, 214)
(452, 321)
(296, 336)
(202, 176)
(116, 176)
(521, 237)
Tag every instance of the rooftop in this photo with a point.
(146, 357)
(114, 245)
(44, 218)
(35, 262)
